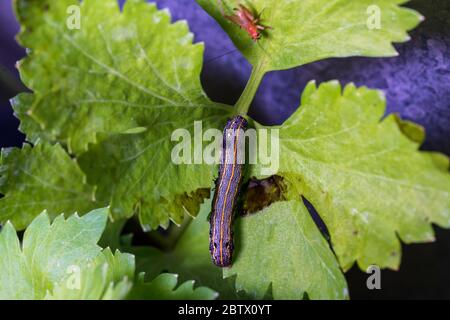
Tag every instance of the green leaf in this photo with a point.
(108, 277)
(163, 287)
(41, 178)
(189, 258)
(410, 129)
(48, 253)
(62, 261)
(33, 131)
(136, 178)
(304, 269)
(111, 75)
(118, 87)
(366, 178)
(281, 248)
(310, 30)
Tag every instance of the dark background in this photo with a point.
(417, 85)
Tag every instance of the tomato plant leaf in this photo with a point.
(363, 174)
(310, 30)
(41, 178)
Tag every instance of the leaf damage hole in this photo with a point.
(317, 220)
(191, 202)
(259, 194)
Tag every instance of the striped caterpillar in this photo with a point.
(227, 188)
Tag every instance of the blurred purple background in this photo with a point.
(417, 85)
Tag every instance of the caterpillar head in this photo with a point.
(222, 252)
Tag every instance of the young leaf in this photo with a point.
(125, 83)
(61, 260)
(365, 177)
(163, 287)
(33, 130)
(107, 277)
(48, 253)
(310, 30)
(41, 178)
(280, 247)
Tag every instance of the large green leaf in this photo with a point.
(50, 252)
(365, 176)
(41, 178)
(282, 249)
(309, 30)
(133, 69)
(279, 247)
(125, 83)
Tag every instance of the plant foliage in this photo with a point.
(106, 98)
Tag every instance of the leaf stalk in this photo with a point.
(244, 102)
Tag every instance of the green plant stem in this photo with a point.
(252, 86)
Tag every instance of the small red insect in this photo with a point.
(246, 19)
